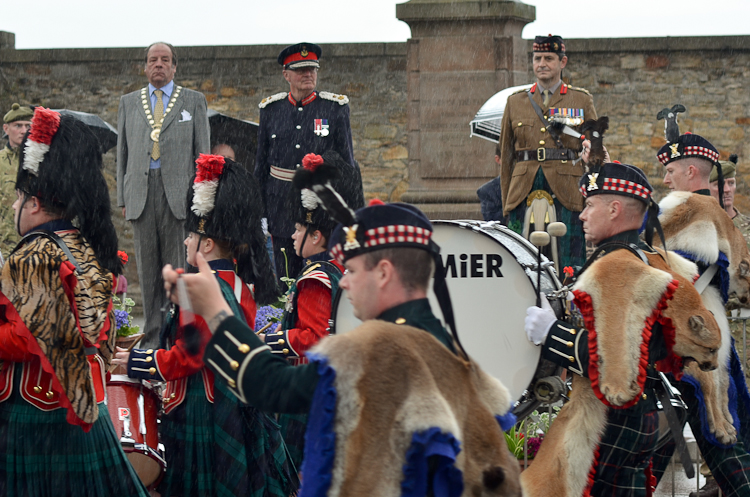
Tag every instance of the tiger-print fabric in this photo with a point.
(31, 281)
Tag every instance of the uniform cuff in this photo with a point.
(230, 351)
(567, 346)
(279, 343)
(142, 365)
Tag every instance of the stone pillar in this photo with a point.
(460, 54)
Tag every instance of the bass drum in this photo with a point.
(492, 279)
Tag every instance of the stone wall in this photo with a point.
(631, 80)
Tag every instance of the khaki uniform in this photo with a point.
(9, 158)
(523, 130)
(743, 224)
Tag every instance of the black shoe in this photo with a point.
(710, 489)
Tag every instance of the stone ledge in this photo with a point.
(445, 10)
(440, 197)
(8, 54)
(663, 44)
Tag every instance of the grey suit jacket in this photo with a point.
(184, 135)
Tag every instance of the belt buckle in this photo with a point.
(541, 154)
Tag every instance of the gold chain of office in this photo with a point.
(156, 131)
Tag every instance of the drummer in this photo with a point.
(389, 257)
(55, 431)
(611, 218)
(310, 298)
(202, 418)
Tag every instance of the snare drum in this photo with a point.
(491, 277)
(134, 408)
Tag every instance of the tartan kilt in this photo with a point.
(625, 452)
(224, 448)
(571, 247)
(42, 455)
(293, 427)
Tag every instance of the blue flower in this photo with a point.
(121, 318)
(265, 315)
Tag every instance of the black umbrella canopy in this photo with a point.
(105, 132)
(241, 135)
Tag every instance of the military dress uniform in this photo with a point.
(628, 442)
(533, 165)
(730, 465)
(288, 130)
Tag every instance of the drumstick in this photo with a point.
(130, 347)
(539, 239)
(268, 325)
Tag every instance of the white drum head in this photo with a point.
(490, 292)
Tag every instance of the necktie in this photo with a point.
(546, 97)
(158, 117)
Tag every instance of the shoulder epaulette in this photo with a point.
(272, 98)
(318, 275)
(583, 90)
(334, 97)
(522, 90)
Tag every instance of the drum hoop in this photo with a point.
(463, 224)
(122, 378)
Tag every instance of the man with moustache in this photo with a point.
(539, 163)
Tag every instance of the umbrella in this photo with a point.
(241, 135)
(105, 132)
(486, 124)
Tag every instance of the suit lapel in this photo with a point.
(141, 111)
(176, 111)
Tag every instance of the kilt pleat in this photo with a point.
(41, 455)
(223, 449)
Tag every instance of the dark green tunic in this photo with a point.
(269, 382)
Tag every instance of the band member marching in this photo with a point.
(214, 444)
(310, 298)
(57, 332)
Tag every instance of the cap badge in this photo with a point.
(554, 47)
(202, 226)
(592, 182)
(673, 148)
(304, 52)
(309, 217)
(351, 237)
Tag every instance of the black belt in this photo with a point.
(543, 154)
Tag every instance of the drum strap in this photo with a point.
(440, 287)
(55, 238)
(675, 426)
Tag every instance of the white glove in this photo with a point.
(539, 321)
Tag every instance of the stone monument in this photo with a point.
(460, 54)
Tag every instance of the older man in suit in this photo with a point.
(162, 129)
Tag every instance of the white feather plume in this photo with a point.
(310, 200)
(204, 195)
(33, 156)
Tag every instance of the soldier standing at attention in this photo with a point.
(540, 164)
(293, 124)
(15, 124)
(729, 168)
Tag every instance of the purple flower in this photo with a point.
(533, 445)
(265, 315)
(121, 318)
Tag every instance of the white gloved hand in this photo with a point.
(539, 321)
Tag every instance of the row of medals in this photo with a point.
(147, 108)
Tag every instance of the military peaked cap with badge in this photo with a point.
(300, 55)
(289, 130)
(18, 113)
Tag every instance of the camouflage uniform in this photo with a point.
(742, 222)
(8, 168)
